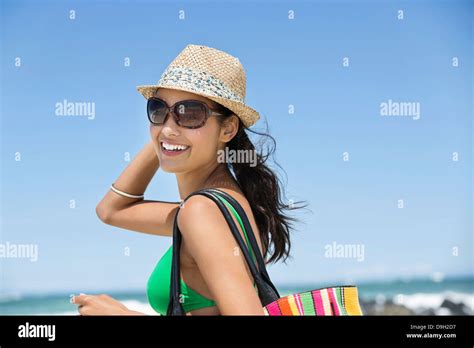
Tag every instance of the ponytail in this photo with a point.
(262, 188)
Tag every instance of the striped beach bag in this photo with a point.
(337, 300)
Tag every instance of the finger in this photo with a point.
(83, 310)
(80, 299)
(106, 298)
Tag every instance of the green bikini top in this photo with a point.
(159, 283)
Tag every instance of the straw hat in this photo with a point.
(211, 73)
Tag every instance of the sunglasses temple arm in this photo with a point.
(216, 113)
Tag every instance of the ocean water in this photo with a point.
(58, 303)
(417, 295)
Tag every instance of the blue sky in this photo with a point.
(288, 62)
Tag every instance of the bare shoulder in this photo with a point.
(199, 208)
(196, 207)
(204, 230)
(202, 217)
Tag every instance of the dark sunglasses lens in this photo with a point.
(191, 113)
(156, 111)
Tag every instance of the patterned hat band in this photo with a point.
(198, 81)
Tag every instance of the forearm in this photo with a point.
(138, 174)
(134, 180)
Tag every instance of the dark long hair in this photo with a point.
(263, 189)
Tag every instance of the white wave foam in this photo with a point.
(422, 301)
(10, 297)
(138, 306)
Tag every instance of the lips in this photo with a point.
(170, 149)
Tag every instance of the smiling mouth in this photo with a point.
(173, 149)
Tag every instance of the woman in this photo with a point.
(196, 110)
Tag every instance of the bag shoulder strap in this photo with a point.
(249, 245)
(240, 211)
(266, 290)
(239, 220)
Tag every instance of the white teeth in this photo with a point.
(172, 147)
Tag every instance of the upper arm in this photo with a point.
(152, 217)
(214, 249)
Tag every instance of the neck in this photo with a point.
(213, 175)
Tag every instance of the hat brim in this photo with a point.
(247, 114)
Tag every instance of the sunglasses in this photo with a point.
(186, 113)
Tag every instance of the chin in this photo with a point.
(167, 169)
(170, 168)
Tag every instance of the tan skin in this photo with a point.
(209, 262)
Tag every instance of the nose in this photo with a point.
(170, 126)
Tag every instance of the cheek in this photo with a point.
(154, 131)
(204, 142)
(154, 134)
